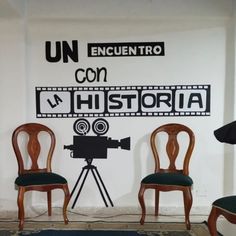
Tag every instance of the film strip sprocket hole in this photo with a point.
(123, 101)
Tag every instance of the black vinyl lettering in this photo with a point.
(195, 98)
(113, 99)
(77, 76)
(57, 56)
(70, 52)
(89, 102)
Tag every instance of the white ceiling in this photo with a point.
(127, 9)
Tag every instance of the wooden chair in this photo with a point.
(170, 178)
(225, 206)
(34, 177)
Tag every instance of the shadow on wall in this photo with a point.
(138, 174)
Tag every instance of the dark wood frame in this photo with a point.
(172, 148)
(33, 148)
(214, 214)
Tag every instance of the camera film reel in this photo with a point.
(100, 126)
(81, 126)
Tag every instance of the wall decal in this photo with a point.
(115, 101)
(93, 147)
(62, 50)
(127, 49)
(91, 75)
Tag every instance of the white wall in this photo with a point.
(12, 102)
(198, 51)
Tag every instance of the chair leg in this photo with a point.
(66, 202)
(142, 203)
(188, 200)
(212, 221)
(157, 195)
(20, 203)
(49, 197)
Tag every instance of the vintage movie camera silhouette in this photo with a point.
(90, 147)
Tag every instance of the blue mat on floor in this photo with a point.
(84, 233)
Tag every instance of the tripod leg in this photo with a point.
(104, 187)
(80, 188)
(77, 182)
(100, 190)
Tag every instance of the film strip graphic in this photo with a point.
(122, 101)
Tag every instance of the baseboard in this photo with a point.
(170, 210)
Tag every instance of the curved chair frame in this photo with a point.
(172, 148)
(214, 214)
(33, 148)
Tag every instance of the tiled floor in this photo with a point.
(112, 215)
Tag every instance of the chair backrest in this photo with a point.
(33, 147)
(172, 147)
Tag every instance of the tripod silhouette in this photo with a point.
(98, 180)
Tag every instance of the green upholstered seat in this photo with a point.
(42, 178)
(168, 179)
(226, 203)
